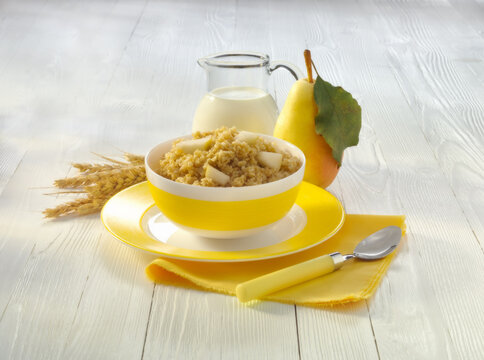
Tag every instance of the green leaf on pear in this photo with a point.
(339, 117)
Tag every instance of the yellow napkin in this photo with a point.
(355, 281)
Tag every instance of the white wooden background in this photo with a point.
(82, 76)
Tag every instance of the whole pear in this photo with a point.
(296, 125)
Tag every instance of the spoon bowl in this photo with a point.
(379, 244)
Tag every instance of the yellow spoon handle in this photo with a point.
(284, 278)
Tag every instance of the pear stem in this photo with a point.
(309, 68)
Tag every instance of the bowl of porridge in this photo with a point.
(225, 183)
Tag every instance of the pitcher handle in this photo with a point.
(293, 69)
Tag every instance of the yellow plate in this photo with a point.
(131, 217)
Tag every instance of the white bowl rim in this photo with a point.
(220, 193)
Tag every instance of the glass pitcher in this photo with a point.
(237, 92)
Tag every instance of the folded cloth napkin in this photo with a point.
(353, 282)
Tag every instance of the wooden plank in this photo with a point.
(416, 313)
(53, 272)
(446, 100)
(111, 317)
(13, 123)
(453, 122)
(191, 324)
(471, 12)
(31, 300)
(186, 323)
(12, 147)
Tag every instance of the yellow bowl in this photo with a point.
(220, 212)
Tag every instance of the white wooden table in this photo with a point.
(77, 77)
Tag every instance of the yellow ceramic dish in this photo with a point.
(223, 212)
(123, 217)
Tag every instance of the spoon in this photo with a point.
(374, 247)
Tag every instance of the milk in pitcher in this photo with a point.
(246, 108)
